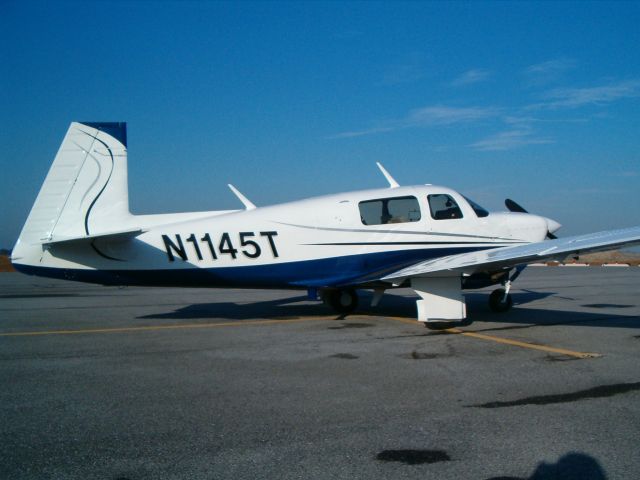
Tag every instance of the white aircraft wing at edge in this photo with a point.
(506, 257)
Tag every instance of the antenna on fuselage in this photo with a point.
(245, 201)
(387, 175)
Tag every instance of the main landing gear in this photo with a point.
(343, 300)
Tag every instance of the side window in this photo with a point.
(443, 207)
(389, 210)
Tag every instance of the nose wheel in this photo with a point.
(500, 300)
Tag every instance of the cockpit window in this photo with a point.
(389, 210)
(480, 212)
(443, 207)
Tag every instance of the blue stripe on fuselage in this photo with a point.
(326, 272)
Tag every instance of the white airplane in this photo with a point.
(426, 237)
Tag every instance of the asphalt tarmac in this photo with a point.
(149, 383)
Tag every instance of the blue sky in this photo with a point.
(539, 102)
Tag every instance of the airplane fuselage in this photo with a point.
(313, 243)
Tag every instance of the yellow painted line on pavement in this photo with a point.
(518, 343)
(147, 328)
(241, 323)
(507, 341)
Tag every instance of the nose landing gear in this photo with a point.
(500, 300)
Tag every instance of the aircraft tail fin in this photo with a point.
(85, 192)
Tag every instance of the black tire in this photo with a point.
(436, 326)
(497, 303)
(343, 301)
(465, 322)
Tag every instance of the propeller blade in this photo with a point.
(513, 206)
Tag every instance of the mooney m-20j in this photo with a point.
(426, 237)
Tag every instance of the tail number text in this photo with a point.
(249, 244)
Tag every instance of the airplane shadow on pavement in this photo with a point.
(400, 306)
(572, 466)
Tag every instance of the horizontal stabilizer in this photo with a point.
(107, 236)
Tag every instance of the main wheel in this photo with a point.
(343, 301)
(498, 303)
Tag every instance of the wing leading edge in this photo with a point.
(507, 257)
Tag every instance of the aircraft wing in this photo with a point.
(508, 257)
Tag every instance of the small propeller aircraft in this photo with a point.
(426, 237)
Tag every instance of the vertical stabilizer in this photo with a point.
(85, 191)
